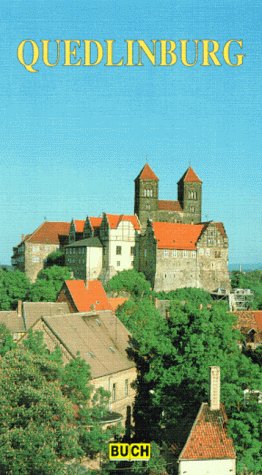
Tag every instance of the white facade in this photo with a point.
(207, 467)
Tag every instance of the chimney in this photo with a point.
(19, 308)
(86, 283)
(214, 402)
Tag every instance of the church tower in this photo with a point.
(190, 196)
(146, 195)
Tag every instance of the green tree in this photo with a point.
(6, 340)
(129, 281)
(56, 258)
(49, 283)
(249, 280)
(173, 358)
(188, 294)
(14, 285)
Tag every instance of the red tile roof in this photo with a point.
(115, 219)
(95, 222)
(116, 302)
(176, 235)
(249, 319)
(208, 439)
(49, 232)
(190, 176)
(90, 297)
(169, 205)
(79, 225)
(147, 174)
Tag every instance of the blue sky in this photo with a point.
(73, 139)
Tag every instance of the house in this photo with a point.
(103, 342)
(21, 320)
(29, 256)
(187, 209)
(209, 449)
(84, 296)
(119, 235)
(85, 258)
(249, 323)
(176, 255)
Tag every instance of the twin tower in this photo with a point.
(187, 209)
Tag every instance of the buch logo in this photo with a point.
(118, 451)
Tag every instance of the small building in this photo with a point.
(176, 255)
(209, 450)
(85, 258)
(84, 296)
(103, 342)
(30, 255)
(249, 323)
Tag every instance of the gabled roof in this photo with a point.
(100, 338)
(32, 311)
(95, 222)
(12, 321)
(147, 174)
(190, 176)
(49, 232)
(208, 439)
(88, 296)
(168, 205)
(115, 219)
(249, 319)
(79, 225)
(176, 235)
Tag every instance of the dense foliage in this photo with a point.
(249, 280)
(14, 285)
(49, 282)
(173, 358)
(46, 418)
(129, 281)
(56, 258)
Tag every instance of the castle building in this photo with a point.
(187, 209)
(175, 255)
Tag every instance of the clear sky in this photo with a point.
(73, 139)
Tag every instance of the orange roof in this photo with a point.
(169, 205)
(90, 297)
(147, 174)
(177, 235)
(115, 302)
(190, 176)
(49, 232)
(79, 225)
(115, 219)
(208, 438)
(248, 319)
(95, 222)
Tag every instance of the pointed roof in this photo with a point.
(190, 176)
(147, 174)
(115, 219)
(208, 439)
(176, 235)
(88, 294)
(48, 232)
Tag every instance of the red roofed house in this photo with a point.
(209, 449)
(175, 255)
(187, 209)
(30, 254)
(119, 235)
(249, 322)
(84, 296)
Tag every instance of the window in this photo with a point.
(207, 252)
(35, 259)
(114, 392)
(193, 254)
(126, 387)
(132, 250)
(217, 254)
(35, 249)
(118, 250)
(145, 252)
(165, 253)
(174, 253)
(118, 263)
(185, 253)
(148, 207)
(192, 209)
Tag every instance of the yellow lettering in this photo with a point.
(35, 55)
(142, 46)
(110, 61)
(73, 52)
(184, 53)
(99, 52)
(129, 53)
(226, 53)
(45, 52)
(212, 53)
(167, 52)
